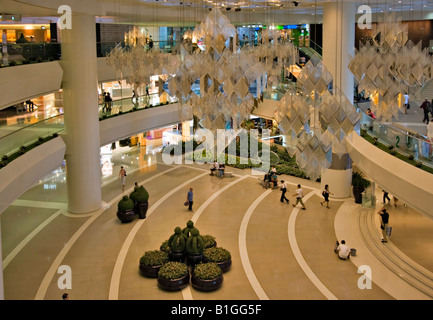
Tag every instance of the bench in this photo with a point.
(228, 174)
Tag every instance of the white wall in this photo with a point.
(19, 83)
(408, 183)
(18, 176)
(129, 124)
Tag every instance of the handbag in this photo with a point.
(408, 106)
(186, 203)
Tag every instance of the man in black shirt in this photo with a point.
(426, 108)
(384, 223)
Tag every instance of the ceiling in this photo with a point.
(178, 12)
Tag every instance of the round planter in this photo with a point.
(149, 271)
(206, 285)
(141, 209)
(225, 265)
(176, 256)
(193, 259)
(173, 284)
(126, 216)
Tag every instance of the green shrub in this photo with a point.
(165, 247)
(207, 271)
(216, 254)
(125, 204)
(154, 258)
(195, 243)
(173, 270)
(141, 195)
(177, 241)
(187, 230)
(209, 241)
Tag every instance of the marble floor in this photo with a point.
(279, 252)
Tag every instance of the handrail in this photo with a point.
(405, 141)
(30, 125)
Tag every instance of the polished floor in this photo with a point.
(279, 252)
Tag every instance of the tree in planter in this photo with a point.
(207, 276)
(359, 184)
(177, 245)
(194, 247)
(173, 276)
(220, 256)
(141, 197)
(151, 262)
(187, 230)
(125, 209)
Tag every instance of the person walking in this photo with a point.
(384, 215)
(406, 102)
(189, 199)
(299, 195)
(325, 194)
(283, 189)
(426, 108)
(122, 175)
(385, 197)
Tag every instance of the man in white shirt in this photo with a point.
(299, 195)
(343, 250)
(406, 102)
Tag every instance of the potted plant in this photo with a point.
(194, 247)
(140, 196)
(173, 276)
(187, 230)
(151, 262)
(359, 184)
(165, 247)
(220, 256)
(209, 241)
(177, 245)
(125, 209)
(206, 276)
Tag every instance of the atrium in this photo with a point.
(104, 100)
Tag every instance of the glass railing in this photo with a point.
(129, 104)
(26, 53)
(403, 141)
(21, 140)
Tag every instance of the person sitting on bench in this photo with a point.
(213, 168)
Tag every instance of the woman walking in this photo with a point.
(325, 194)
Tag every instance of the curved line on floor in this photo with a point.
(29, 237)
(298, 255)
(117, 270)
(186, 293)
(54, 266)
(243, 248)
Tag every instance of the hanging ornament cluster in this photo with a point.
(213, 78)
(316, 123)
(136, 63)
(389, 66)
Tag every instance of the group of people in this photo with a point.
(217, 169)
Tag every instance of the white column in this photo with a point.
(80, 96)
(338, 50)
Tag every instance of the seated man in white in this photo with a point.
(343, 251)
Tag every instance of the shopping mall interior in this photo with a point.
(104, 100)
